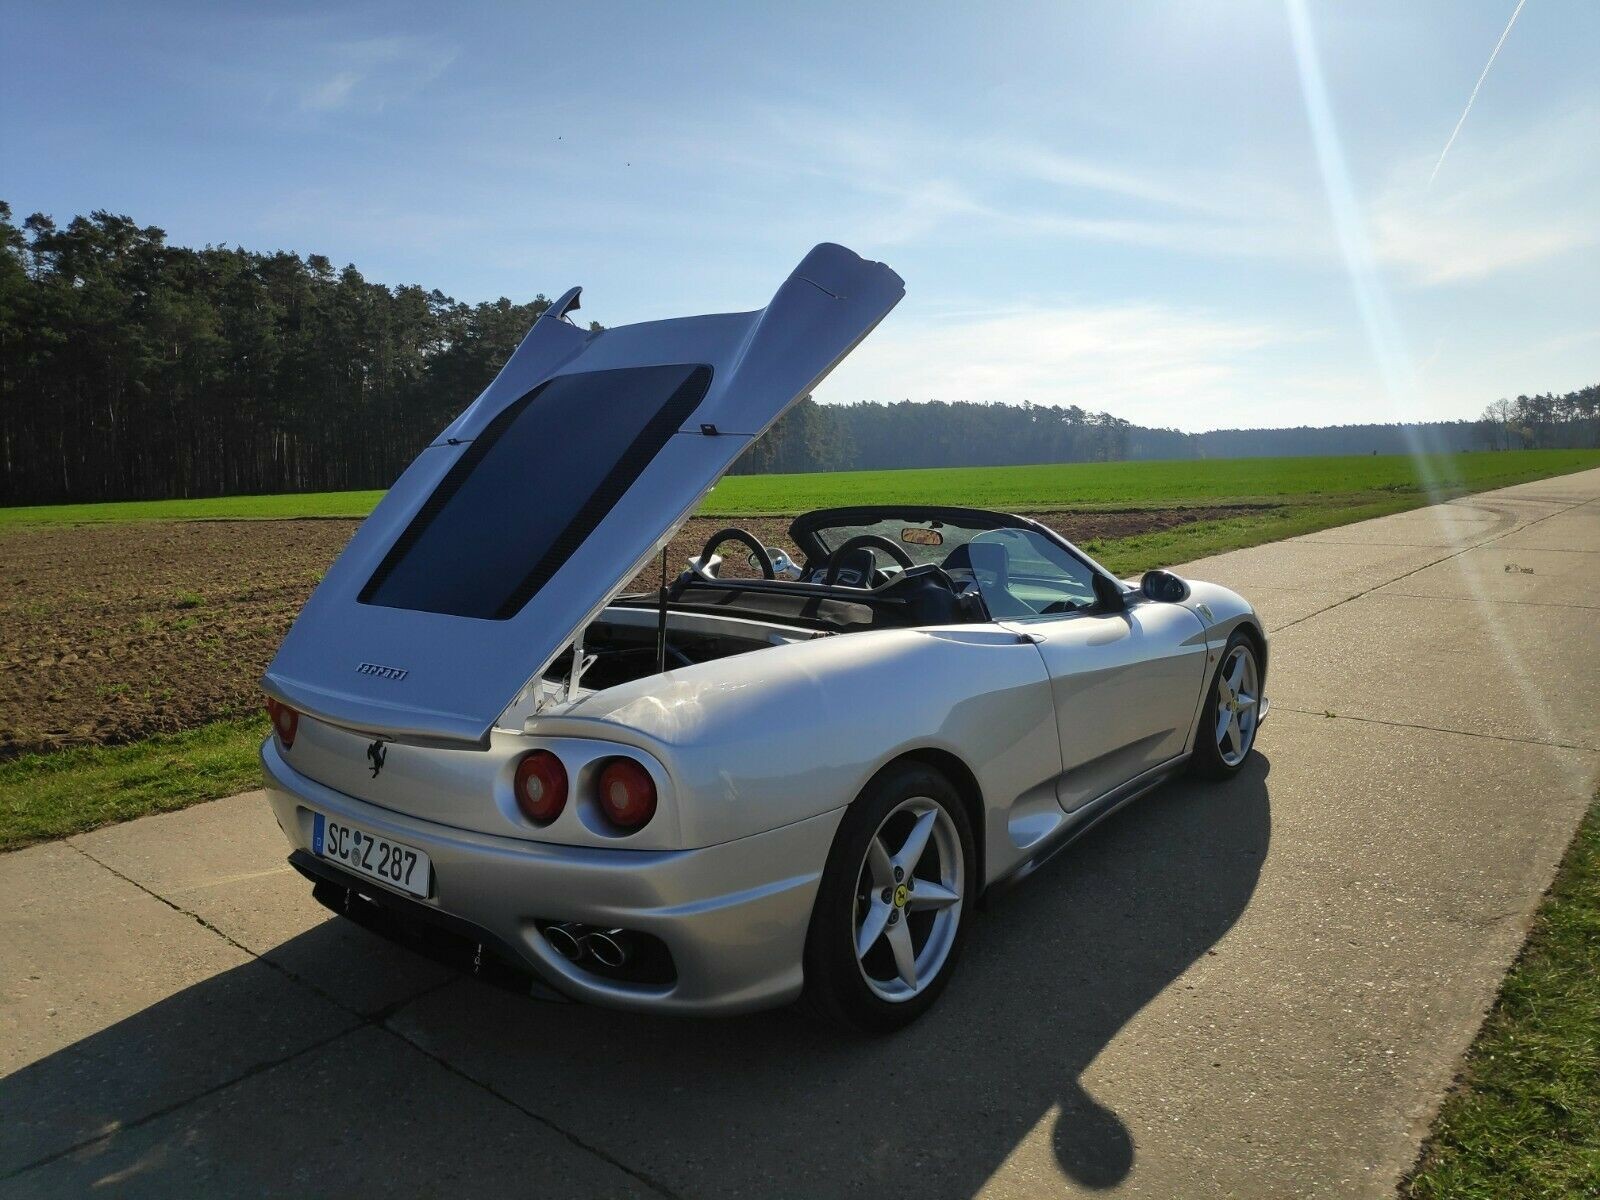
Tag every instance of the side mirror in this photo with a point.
(1108, 595)
(1163, 586)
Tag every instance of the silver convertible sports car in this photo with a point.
(749, 785)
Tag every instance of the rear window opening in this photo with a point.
(623, 649)
(531, 487)
(708, 622)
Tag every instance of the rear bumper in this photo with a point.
(733, 916)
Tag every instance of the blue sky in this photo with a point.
(1189, 214)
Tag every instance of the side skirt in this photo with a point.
(1085, 819)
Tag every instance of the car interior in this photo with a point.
(860, 568)
(883, 567)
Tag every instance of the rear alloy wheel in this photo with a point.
(1232, 712)
(889, 918)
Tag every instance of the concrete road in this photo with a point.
(1257, 989)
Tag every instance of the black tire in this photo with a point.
(1208, 761)
(836, 988)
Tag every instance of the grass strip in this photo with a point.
(68, 791)
(1524, 1119)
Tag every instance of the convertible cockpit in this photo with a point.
(890, 567)
(858, 569)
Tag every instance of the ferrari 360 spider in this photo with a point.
(747, 786)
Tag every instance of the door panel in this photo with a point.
(1125, 687)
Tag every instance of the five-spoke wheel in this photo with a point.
(908, 898)
(1232, 712)
(890, 913)
(1238, 691)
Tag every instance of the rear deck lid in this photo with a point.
(521, 521)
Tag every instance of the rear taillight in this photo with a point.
(627, 794)
(541, 787)
(285, 721)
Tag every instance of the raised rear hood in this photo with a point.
(527, 515)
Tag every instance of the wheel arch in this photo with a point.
(953, 768)
(1258, 641)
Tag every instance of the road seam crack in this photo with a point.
(377, 1019)
(1423, 567)
(1467, 733)
(650, 1182)
(167, 1110)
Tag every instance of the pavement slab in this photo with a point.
(1343, 568)
(1576, 530)
(224, 862)
(1508, 574)
(114, 1005)
(1489, 667)
(1257, 989)
(1448, 525)
(366, 1115)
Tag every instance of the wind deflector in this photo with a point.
(523, 519)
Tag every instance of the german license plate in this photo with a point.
(403, 867)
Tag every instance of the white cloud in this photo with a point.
(1501, 205)
(1149, 363)
(917, 184)
(1505, 202)
(371, 72)
(332, 93)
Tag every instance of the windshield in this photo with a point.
(1023, 574)
(927, 541)
(531, 487)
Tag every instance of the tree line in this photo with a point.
(133, 369)
(935, 433)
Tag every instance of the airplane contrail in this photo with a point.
(1475, 88)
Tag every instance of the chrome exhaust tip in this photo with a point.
(566, 940)
(609, 947)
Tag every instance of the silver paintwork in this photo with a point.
(755, 758)
(734, 915)
(1045, 725)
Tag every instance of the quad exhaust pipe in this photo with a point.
(576, 943)
(566, 940)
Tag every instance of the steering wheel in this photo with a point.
(735, 534)
(871, 541)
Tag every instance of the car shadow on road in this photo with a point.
(768, 1104)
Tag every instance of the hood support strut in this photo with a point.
(661, 619)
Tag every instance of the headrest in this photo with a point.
(991, 558)
(857, 568)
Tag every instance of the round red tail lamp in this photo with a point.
(285, 721)
(541, 787)
(627, 794)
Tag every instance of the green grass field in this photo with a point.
(1349, 479)
(1146, 484)
(1525, 1118)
